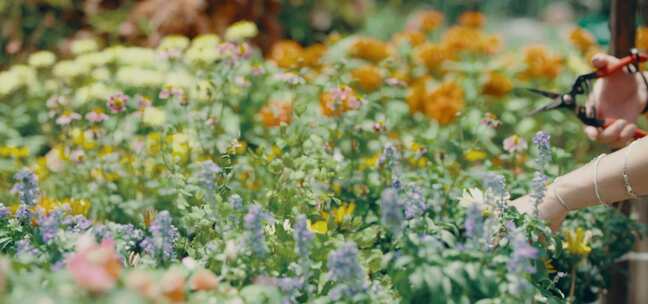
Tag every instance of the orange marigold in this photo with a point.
(368, 77)
(336, 101)
(471, 40)
(414, 38)
(540, 63)
(444, 103)
(275, 113)
(641, 41)
(369, 49)
(432, 56)
(313, 54)
(497, 85)
(426, 21)
(417, 93)
(581, 39)
(287, 54)
(472, 19)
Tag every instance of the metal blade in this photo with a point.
(548, 107)
(547, 94)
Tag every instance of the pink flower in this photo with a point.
(97, 115)
(117, 102)
(94, 267)
(514, 143)
(67, 117)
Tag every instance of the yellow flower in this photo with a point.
(84, 46)
(474, 155)
(576, 242)
(153, 116)
(550, 267)
(642, 38)
(340, 213)
(581, 39)
(14, 152)
(42, 59)
(320, 227)
(173, 42)
(241, 30)
(180, 146)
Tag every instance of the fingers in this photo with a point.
(612, 133)
(592, 132)
(601, 60)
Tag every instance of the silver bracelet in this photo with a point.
(560, 199)
(596, 188)
(626, 178)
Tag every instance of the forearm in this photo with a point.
(577, 188)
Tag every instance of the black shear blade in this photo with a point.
(548, 107)
(547, 94)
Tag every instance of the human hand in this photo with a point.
(620, 95)
(550, 210)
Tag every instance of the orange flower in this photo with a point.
(432, 56)
(313, 54)
(444, 102)
(641, 41)
(287, 54)
(172, 285)
(581, 39)
(416, 94)
(338, 100)
(472, 19)
(414, 38)
(540, 63)
(368, 77)
(204, 280)
(425, 21)
(275, 113)
(471, 40)
(497, 85)
(369, 49)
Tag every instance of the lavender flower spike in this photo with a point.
(391, 212)
(27, 187)
(253, 222)
(344, 269)
(163, 236)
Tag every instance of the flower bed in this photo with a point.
(353, 170)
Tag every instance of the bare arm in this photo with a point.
(576, 188)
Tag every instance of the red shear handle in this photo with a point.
(612, 68)
(639, 133)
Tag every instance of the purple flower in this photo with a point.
(253, 223)
(303, 237)
(4, 211)
(67, 117)
(23, 214)
(514, 144)
(345, 271)
(541, 140)
(236, 202)
(49, 224)
(415, 204)
(27, 187)
(474, 223)
(523, 253)
(163, 237)
(391, 211)
(24, 248)
(208, 172)
(77, 223)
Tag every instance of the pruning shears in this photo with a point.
(581, 87)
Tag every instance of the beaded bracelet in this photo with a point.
(626, 178)
(596, 188)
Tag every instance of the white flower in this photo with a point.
(153, 116)
(286, 225)
(473, 196)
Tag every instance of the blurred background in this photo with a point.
(29, 25)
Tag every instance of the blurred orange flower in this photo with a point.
(276, 112)
(287, 54)
(416, 94)
(414, 38)
(338, 100)
(497, 85)
(581, 39)
(471, 40)
(425, 21)
(432, 56)
(540, 63)
(369, 49)
(313, 54)
(368, 77)
(641, 41)
(444, 103)
(472, 19)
